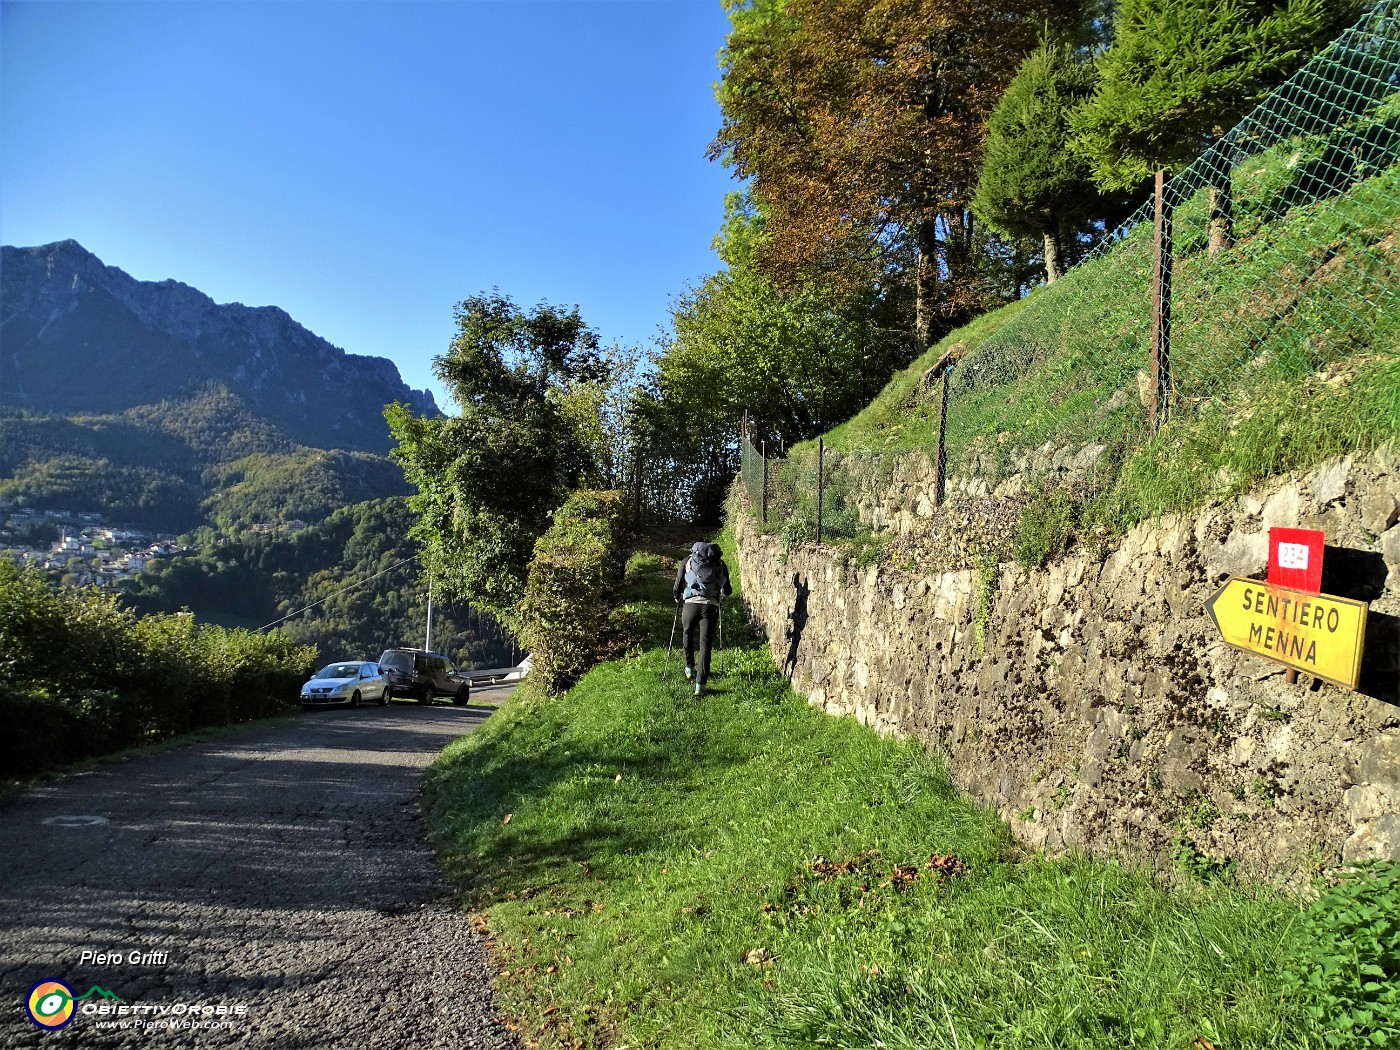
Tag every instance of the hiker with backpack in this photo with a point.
(702, 581)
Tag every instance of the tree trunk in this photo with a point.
(1052, 256)
(1221, 235)
(1220, 227)
(926, 280)
(962, 268)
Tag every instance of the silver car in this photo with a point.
(347, 682)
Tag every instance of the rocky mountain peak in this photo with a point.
(67, 314)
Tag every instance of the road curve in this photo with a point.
(273, 888)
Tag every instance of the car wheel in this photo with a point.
(426, 695)
(384, 697)
(462, 695)
(355, 698)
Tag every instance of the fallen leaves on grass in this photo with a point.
(758, 957)
(902, 876)
(830, 869)
(946, 864)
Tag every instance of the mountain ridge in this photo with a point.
(67, 313)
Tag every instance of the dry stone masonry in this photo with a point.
(1092, 701)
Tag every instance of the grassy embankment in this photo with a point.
(743, 870)
(746, 871)
(1286, 352)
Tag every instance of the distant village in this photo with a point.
(85, 550)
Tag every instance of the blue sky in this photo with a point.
(366, 165)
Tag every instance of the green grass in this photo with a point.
(1286, 351)
(744, 871)
(1291, 297)
(1218, 455)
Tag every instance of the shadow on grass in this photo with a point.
(495, 810)
(520, 807)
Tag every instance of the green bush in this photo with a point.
(40, 733)
(1345, 969)
(575, 566)
(81, 677)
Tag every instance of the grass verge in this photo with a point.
(745, 871)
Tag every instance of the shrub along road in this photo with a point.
(282, 870)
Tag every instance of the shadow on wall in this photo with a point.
(1361, 576)
(798, 622)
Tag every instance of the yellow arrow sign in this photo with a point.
(1317, 633)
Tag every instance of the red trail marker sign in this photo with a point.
(1295, 559)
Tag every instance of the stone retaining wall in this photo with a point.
(1092, 702)
(910, 498)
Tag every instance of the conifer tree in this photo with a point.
(1180, 73)
(1032, 183)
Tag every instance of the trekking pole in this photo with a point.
(721, 636)
(666, 669)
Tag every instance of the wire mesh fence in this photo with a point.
(1269, 265)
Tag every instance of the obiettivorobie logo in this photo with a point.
(51, 1003)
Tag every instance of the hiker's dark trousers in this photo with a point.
(698, 627)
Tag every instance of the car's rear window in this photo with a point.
(398, 661)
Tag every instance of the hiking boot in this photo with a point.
(689, 673)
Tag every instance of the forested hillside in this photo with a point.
(175, 466)
(192, 413)
(355, 575)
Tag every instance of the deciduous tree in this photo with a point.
(799, 359)
(860, 124)
(489, 477)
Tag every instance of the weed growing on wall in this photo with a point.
(988, 572)
(1046, 526)
(1191, 861)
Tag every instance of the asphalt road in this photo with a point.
(280, 874)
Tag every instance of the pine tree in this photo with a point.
(1182, 72)
(1032, 183)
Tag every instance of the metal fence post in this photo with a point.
(940, 455)
(1161, 379)
(820, 479)
(763, 457)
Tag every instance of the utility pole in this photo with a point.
(428, 636)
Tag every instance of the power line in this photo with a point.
(348, 586)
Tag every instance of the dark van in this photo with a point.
(421, 675)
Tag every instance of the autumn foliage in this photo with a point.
(861, 126)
